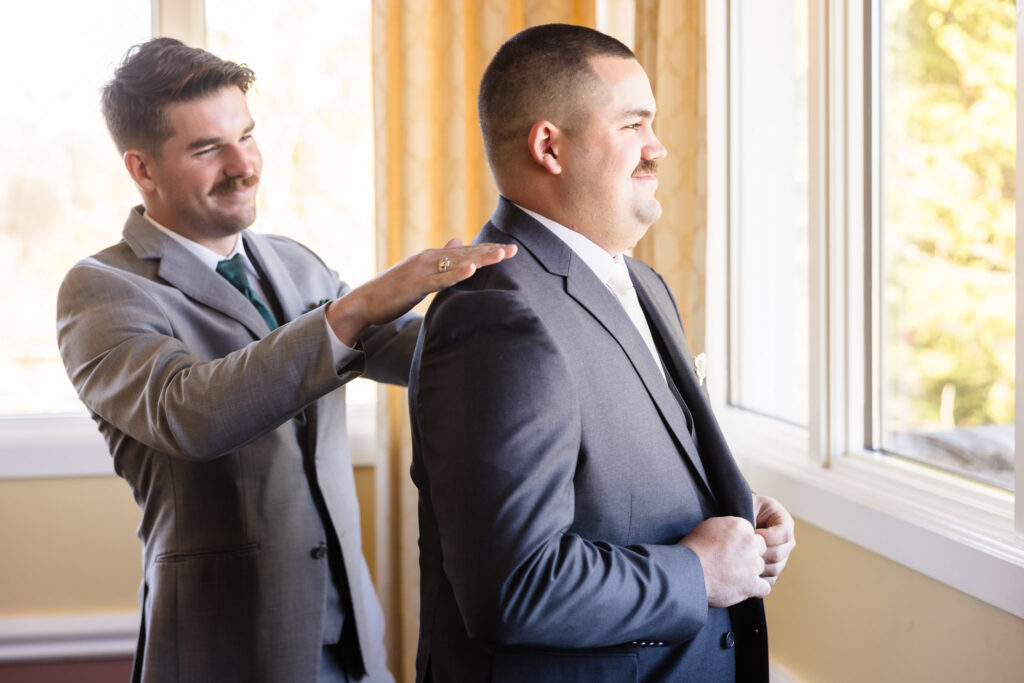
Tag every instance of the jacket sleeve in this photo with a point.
(499, 433)
(130, 364)
(389, 349)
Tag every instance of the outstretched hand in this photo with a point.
(395, 291)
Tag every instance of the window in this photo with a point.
(947, 195)
(313, 106)
(66, 194)
(769, 167)
(905, 443)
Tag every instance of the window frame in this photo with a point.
(966, 535)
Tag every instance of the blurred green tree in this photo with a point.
(949, 129)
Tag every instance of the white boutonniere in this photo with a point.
(700, 367)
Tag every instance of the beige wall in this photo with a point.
(841, 613)
(68, 546)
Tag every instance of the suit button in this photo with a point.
(728, 640)
(319, 552)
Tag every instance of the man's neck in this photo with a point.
(219, 245)
(224, 250)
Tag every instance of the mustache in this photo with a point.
(646, 167)
(234, 184)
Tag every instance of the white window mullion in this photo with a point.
(852, 341)
(821, 391)
(1018, 452)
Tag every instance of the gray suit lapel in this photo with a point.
(277, 273)
(288, 297)
(185, 272)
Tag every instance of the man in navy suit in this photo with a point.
(581, 516)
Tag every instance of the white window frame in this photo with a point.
(968, 536)
(48, 446)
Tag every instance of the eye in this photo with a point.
(204, 152)
(634, 126)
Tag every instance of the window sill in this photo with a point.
(953, 531)
(59, 446)
(68, 637)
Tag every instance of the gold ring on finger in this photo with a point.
(444, 264)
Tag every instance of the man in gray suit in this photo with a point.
(581, 516)
(214, 362)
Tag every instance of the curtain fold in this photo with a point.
(432, 183)
(670, 44)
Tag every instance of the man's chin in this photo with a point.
(649, 214)
(232, 225)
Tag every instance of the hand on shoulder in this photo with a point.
(395, 291)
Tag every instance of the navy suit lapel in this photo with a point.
(729, 486)
(583, 286)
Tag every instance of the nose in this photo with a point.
(241, 161)
(654, 149)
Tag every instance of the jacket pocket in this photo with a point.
(207, 553)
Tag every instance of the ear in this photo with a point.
(140, 167)
(545, 142)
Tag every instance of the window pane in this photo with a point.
(64, 193)
(948, 165)
(313, 106)
(770, 214)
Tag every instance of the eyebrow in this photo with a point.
(206, 142)
(638, 113)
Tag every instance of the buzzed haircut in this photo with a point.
(154, 74)
(540, 74)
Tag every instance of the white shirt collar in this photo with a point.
(207, 256)
(596, 258)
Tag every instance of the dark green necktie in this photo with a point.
(233, 271)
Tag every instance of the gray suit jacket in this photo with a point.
(233, 441)
(556, 473)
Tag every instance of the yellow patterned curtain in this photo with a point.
(670, 44)
(432, 183)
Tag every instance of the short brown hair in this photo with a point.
(538, 74)
(154, 74)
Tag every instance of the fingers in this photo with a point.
(768, 512)
(455, 262)
(773, 571)
(778, 553)
(760, 543)
(775, 535)
(453, 242)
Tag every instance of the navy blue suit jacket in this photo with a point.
(556, 474)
